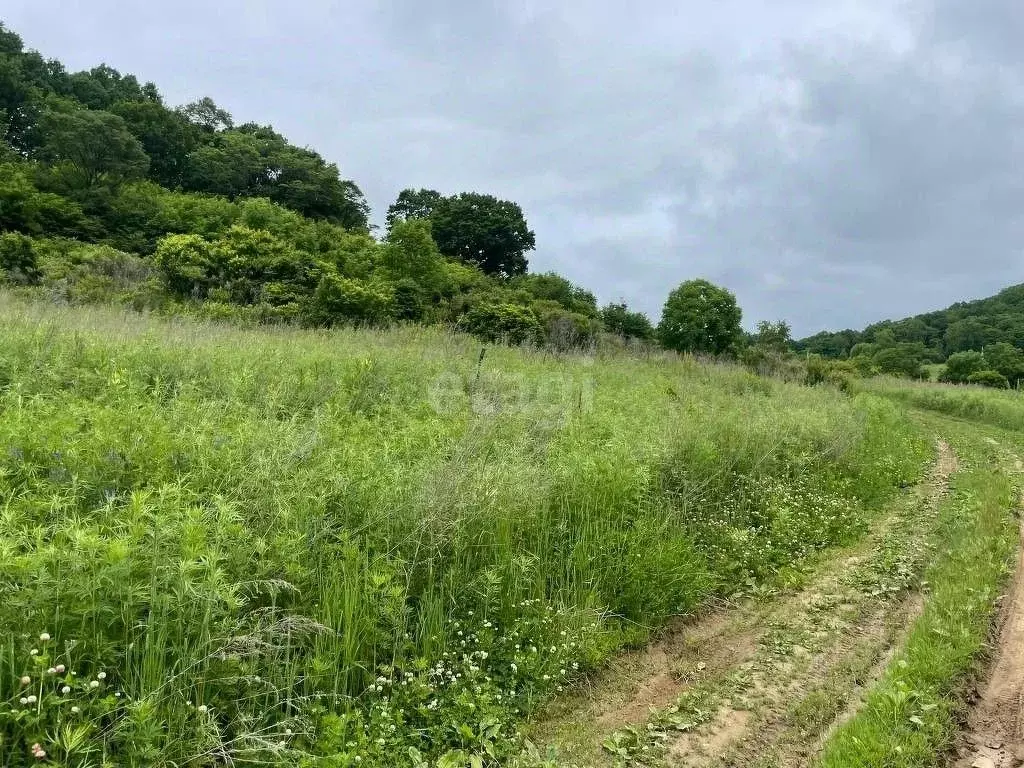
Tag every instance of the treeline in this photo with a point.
(106, 192)
(991, 327)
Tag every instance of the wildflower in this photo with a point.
(60, 669)
(34, 652)
(51, 671)
(94, 684)
(203, 709)
(101, 676)
(23, 701)
(65, 690)
(75, 710)
(45, 636)
(32, 699)
(26, 680)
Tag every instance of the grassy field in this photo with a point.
(277, 546)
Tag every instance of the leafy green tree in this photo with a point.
(413, 204)
(961, 365)
(700, 317)
(90, 146)
(553, 287)
(206, 115)
(18, 258)
(254, 161)
(619, 319)
(901, 359)
(775, 335)
(188, 264)
(969, 333)
(23, 207)
(1006, 359)
(482, 230)
(411, 253)
(103, 86)
(166, 137)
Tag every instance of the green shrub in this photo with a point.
(508, 323)
(340, 300)
(993, 379)
(961, 365)
(18, 259)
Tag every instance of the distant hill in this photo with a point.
(966, 325)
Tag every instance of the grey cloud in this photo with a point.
(832, 162)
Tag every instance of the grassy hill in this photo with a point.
(233, 544)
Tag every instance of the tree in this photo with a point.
(411, 253)
(902, 359)
(961, 365)
(18, 258)
(205, 114)
(412, 204)
(700, 317)
(969, 333)
(90, 146)
(619, 319)
(477, 229)
(166, 136)
(773, 335)
(255, 161)
(1006, 359)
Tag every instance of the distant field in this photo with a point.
(285, 546)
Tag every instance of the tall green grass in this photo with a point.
(911, 715)
(284, 546)
(996, 407)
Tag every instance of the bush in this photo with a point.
(342, 300)
(509, 323)
(18, 259)
(961, 365)
(992, 379)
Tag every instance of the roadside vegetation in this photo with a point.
(285, 546)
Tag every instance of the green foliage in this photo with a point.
(255, 161)
(340, 300)
(552, 287)
(478, 229)
(1007, 359)
(23, 207)
(282, 545)
(508, 323)
(903, 359)
(773, 335)
(166, 137)
(18, 263)
(89, 146)
(961, 365)
(989, 378)
(700, 317)
(410, 253)
(619, 319)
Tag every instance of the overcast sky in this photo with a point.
(832, 162)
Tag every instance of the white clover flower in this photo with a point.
(34, 652)
(203, 709)
(101, 676)
(94, 684)
(45, 636)
(26, 680)
(76, 710)
(51, 671)
(66, 690)
(32, 699)
(60, 669)
(23, 700)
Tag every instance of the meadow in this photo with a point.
(356, 547)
